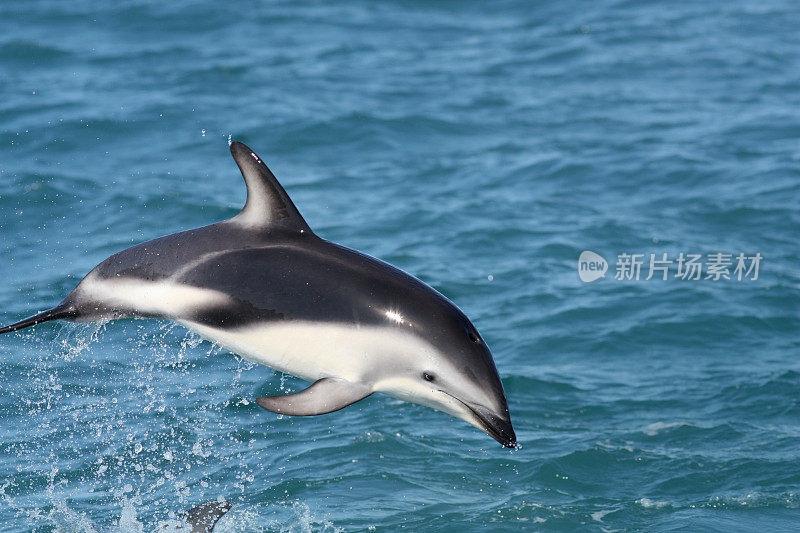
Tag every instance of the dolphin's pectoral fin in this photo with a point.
(323, 396)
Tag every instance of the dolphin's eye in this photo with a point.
(428, 376)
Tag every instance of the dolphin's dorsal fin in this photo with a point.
(204, 517)
(267, 205)
(323, 396)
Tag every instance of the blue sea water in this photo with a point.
(479, 146)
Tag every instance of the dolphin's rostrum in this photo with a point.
(263, 285)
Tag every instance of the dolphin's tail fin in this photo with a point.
(60, 311)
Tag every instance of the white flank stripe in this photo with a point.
(161, 297)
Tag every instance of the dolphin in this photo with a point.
(263, 285)
(200, 519)
(204, 517)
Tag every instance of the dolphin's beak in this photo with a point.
(497, 426)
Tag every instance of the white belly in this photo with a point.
(313, 350)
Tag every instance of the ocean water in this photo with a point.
(479, 146)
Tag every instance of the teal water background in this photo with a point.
(478, 146)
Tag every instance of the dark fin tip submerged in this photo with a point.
(204, 517)
(58, 312)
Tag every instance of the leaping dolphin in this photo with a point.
(263, 285)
